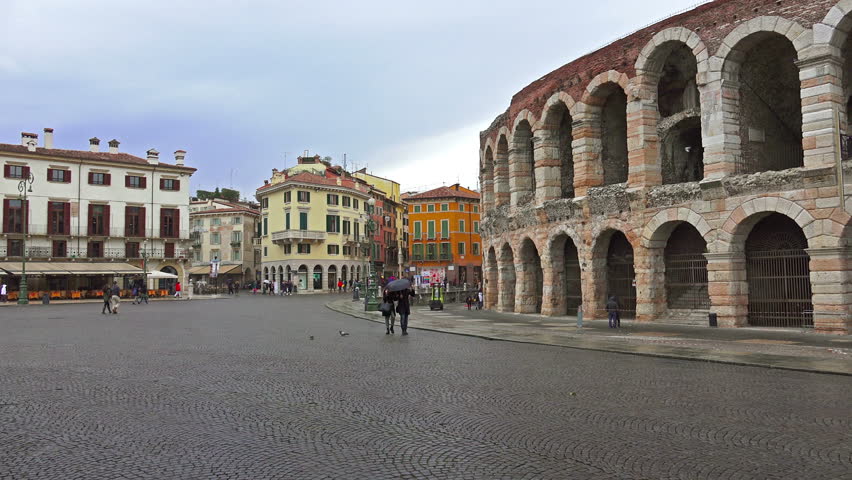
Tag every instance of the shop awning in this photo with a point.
(223, 270)
(71, 268)
(200, 270)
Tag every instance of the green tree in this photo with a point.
(230, 195)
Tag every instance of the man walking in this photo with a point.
(177, 289)
(612, 311)
(115, 298)
(3, 292)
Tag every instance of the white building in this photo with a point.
(91, 216)
(226, 231)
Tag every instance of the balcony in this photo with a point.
(106, 253)
(256, 241)
(115, 232)
(236, 243)
(297, 236)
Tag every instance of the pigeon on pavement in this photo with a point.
(342, 333)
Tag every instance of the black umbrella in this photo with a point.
(399, 285)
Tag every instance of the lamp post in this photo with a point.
(371, 302)
(24, 186)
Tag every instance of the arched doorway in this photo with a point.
(358, 274)
(491, 279)
(317, 278)
(168, 283)
(303, 277)
(501, 172)
(778, 274)
(266, 273)
(566, 287)
(620, 274)
(686, 269)
(613, 134)
(528, 297)
(289, 271)
(332, 278)
(506, 283)
(344, 273)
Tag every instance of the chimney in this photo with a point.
(48, 138)
(113, 146)
(27, 136)
(179, 156)
(31, 145)
(94, 144)
(153, 157)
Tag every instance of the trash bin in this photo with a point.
(713, 322)
(45, 299)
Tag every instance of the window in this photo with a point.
(199, 222)
(475, 227)
(95, 250)
(346, 201)
(97, 178)
(304, 248)
(169, 184)
(13, 216)
(357, 231)
(215, 238)
(169, 250)
(196, 255)
(445, 251)
(461, 248)
(332, 199)
(215, 222)
(445, 207)
(347, 226)
(236, 237)
(237, 221)
(134, 221)
(265, 252)
(303, 197)
(59, 216)
(461, 226)
(355, 203)
(332, 223)
(287, 197)
(169, 222)
(476, 209)
(461, 207)
(235, 255)
(476, 249)
(445, 229)
(430, 208)
(287, 221)
(417, 230)
(265, 229)
(135, 181)
(417, 209)
(59, 248)
(131, 250)
(417, 250)
(15, 171)
(58, 176)
(333, 249)
(303, 220)
(98, 219)
(214, 254)
(288, 248)
(431, 254)
(430, 227)
(347, 250)
(15, 247)
(264, 203)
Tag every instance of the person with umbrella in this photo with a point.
(403, 306)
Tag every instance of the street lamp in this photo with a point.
(371, 302)
(25, 186)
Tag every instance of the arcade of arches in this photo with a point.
(698, 175)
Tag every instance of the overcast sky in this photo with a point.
(402, 87)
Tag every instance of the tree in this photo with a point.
(230, 195)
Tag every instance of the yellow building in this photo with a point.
(312, 224)
(392, 235)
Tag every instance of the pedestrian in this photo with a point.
(480, 300)
(403, 307)
(237, 288)
(3, 292)
(254, 288)
(177, 289)
(469, 301)
(388, 311)
(107, 294)
(134, 292)
(115, 298)
(230, 287)
(612, 311)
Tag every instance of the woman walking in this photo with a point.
(403, 307)
(388, 311)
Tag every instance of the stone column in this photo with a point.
(822, 96)
(728, 288)
(524, 289)
(588, 171)
(649, 265)
(554, 302)
(520, 174)
(594, 289)
(720, 127)
(487, 200)
(831, 289)
(547, 166)
(506, 288)
(491, 286)
(643, 143)
(501, 178)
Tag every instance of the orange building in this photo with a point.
(443, 226)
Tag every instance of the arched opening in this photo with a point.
(266, 273)
(522, 177)
(682, 152)
(770, 105)
(168, 283)
(677, 90)
(846, 54)
(567, 286)
(501, 172)
(614, 134)
(332, 278)
(491, 278)
(358, 273)
(247, 276)
(530, 288)
(289, 271)
(280, 274)
(686, 269)
(620, 274)
(303, 277)
(506, 262)
(344, 273)
(778, 274)
(317, 279)
(559, 128)
(488, 178)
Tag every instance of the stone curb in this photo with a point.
(695, 358)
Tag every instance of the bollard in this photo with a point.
(580, 316)
(713, 320)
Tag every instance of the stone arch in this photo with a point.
(266, 273)
(529, 292)
(654, 52)
(731, 49)
(657, 230)
(835, 27)
(554, 157)
(487, 177)
(331, 275)
(316, 282)
(501, 169)
(506, 279)
(599, 285)
(522, 185)
(605, 101)
(491, 280)
(563, 292)
(742, 219)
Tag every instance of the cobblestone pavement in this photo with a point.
(237, 389)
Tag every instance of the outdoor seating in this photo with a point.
(12, 297)
(76, 294)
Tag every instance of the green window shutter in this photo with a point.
(461, 226)
(303, 220)
(445, 228)
(265, 226)
(417, 230)
(328, 223)
(337, 217)
(431, 227)
(287, 221)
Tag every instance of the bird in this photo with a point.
(312, 337)
(342, 333)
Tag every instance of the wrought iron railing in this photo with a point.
(74, 253)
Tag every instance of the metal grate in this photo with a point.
(621, 277)
(686, 281)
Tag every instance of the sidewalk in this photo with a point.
(788, 349)
(99, 300)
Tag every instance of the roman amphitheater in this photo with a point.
(695, 166)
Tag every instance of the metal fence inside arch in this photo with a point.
(621, 276)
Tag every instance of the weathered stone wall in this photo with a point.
(796, 104)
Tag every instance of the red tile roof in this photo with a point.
(444, 192)
(124, 158)
(312, 178)
(226, 210)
